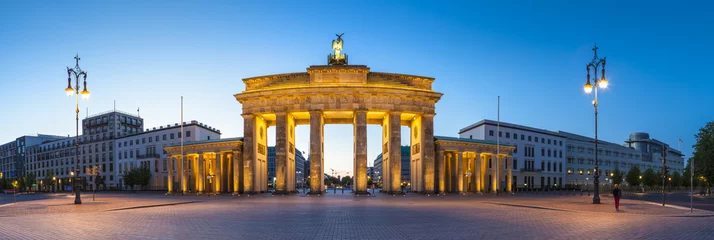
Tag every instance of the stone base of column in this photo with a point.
(394, 193)
(317, 193)
(281, 193)
(169, 193)
(235, 194)
(199, 193)
(362, 193)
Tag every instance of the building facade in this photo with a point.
(405, 165)
(12, 154)
(97, 143)
(639, 150)
(146, 149)
(539, 157)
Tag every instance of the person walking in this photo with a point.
(616, 193)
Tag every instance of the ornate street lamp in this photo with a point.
(77, 72)
(601, 82)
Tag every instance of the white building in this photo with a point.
(639, 150)
(539, 157)
(99, 132)
(146, 149)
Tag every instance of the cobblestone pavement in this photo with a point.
(340, 216)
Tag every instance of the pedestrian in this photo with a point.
(616, 194)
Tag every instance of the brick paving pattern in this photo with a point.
(347, 217)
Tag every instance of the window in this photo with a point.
(143, 140)
(150, 139)
(548, 166)
(529, 138)
(164, 137)
(548, 152)
(561, 143)
(489, 163)
(542, 152)
(523, 137)
(179, 134)
(515, 136)
(500, 134)
(542, 165)
(536, 139)
(508, 135)
(515, 163)
(561, 154)
(188, 133)
(542, 140)
(172, 136)
(137, 141)
(548, 141)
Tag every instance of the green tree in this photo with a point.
(346, 180)
(31, 179)
(617, 176)
(649, 177)
(633, 176)
(129, 178)
(369, 182)
(48, 180)
(676, 179)
(704, 153)
(143, 175)
(99, 181)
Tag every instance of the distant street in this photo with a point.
(678, 199)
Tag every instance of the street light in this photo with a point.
(54, 180)
(601, 83)
(77, 72)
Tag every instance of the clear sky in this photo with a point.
(149, 53)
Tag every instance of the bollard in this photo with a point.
(343, 190)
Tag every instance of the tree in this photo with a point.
(99, 180)
(676, 179)
(617, 176)
(703, 156)
(48, 179)
(143, 175)
(649, 177)
(369, 182)
(346, 180)
(633, 176)
(31, 179)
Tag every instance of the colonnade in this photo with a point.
(467, 171)
(205, 172)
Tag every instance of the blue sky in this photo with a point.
(149, 53)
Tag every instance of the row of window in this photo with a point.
(156, 138)
(530, 138)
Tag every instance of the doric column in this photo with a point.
(170, 181)
(360, 151)
(395, 151)
(201, 177)
(460, 172)
(281, 153)
(509, 184)
(236, 172)
(316, 138)
(181, 174)
(442, 171)
(248, 152)
(217, 176)
(427, 149)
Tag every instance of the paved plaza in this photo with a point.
(338, 216)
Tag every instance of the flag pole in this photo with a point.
(182, 137)
(498, 146)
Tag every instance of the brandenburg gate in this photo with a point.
(338, 93)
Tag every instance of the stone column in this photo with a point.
(442, 172)
(217, 176)
(477, 172)
(448, 165)
(509, 184)
(395, 150)
(248, 152)
(237, 188)
(281, 154)
(170, 181)
(316, 135)
(360, 151)
(499, 168)
(181, 174)
(460, 172)
(201, 176)
(427, 149)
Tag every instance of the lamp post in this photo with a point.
(54, 183)
(77, 72)
(601, 82)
